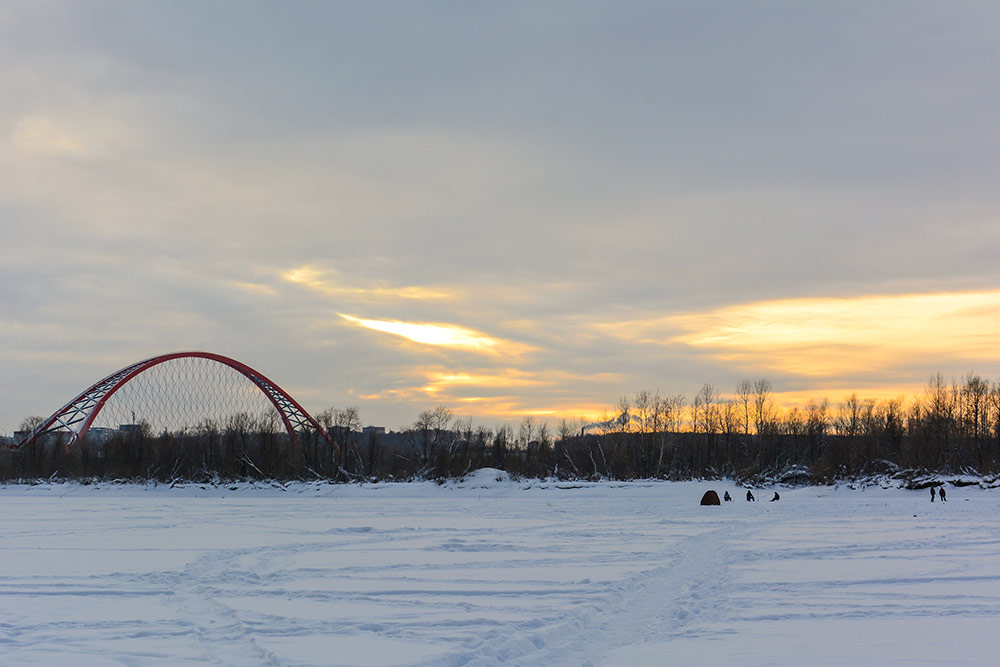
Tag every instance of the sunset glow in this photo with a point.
(835, 336)
(328, 283)
(835, 394)
(508, 409)
(444, 335)
(422, 235)
(505, 379)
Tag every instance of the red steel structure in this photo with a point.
(77, 416)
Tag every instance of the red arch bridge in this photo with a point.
(178, 392)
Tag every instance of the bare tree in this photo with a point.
(697, 411)
(643, 414)
(428, 435)
(994, 410)
(29, 424)
(975, 407)
(817, 422)
(502, 439)
(348, 419)
(565, 429)
(624, 418)
(711, 418)
(526, 431)
(848, 421)
(441, 417)
(674, 412)
(744, 396)
(763, 405)
(732, 419)
(794, 422)
(544, 434)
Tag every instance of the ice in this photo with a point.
(488, 570)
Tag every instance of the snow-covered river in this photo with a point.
(487, 572)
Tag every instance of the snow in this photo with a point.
(488, 570)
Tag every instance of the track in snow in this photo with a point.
(424, 575)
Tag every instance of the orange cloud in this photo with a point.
(442, 381)
(836, 336)
(327, 282)
(510, 408)
(836, 394)
(442, 335)
(487, 393)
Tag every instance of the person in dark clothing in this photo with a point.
(942, 494)
(932, 494)
(750, 497)
(776, 497)
(727, 497)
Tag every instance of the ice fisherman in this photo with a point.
(727, 497)
(776, 497)
(932, 494)
(750, 497)
(941, 493)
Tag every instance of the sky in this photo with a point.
(525, 208)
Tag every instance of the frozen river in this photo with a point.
(488, 572)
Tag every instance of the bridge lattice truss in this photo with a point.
(76, 417)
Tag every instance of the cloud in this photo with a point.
(255, 288)
(836, 393)
(327, 282)
(445, 384)
(835, 337)
(509, 378)
(498, 393)
(442, 335)
(82, 128)
(47, 136)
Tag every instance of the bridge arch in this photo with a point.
(77, 416)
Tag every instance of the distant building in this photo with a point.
(7, 441)
(373, 430)
(101, 435)
(47, 439)
(130, 429)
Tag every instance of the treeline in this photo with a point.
(953, 427)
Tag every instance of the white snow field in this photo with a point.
(486, 572)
